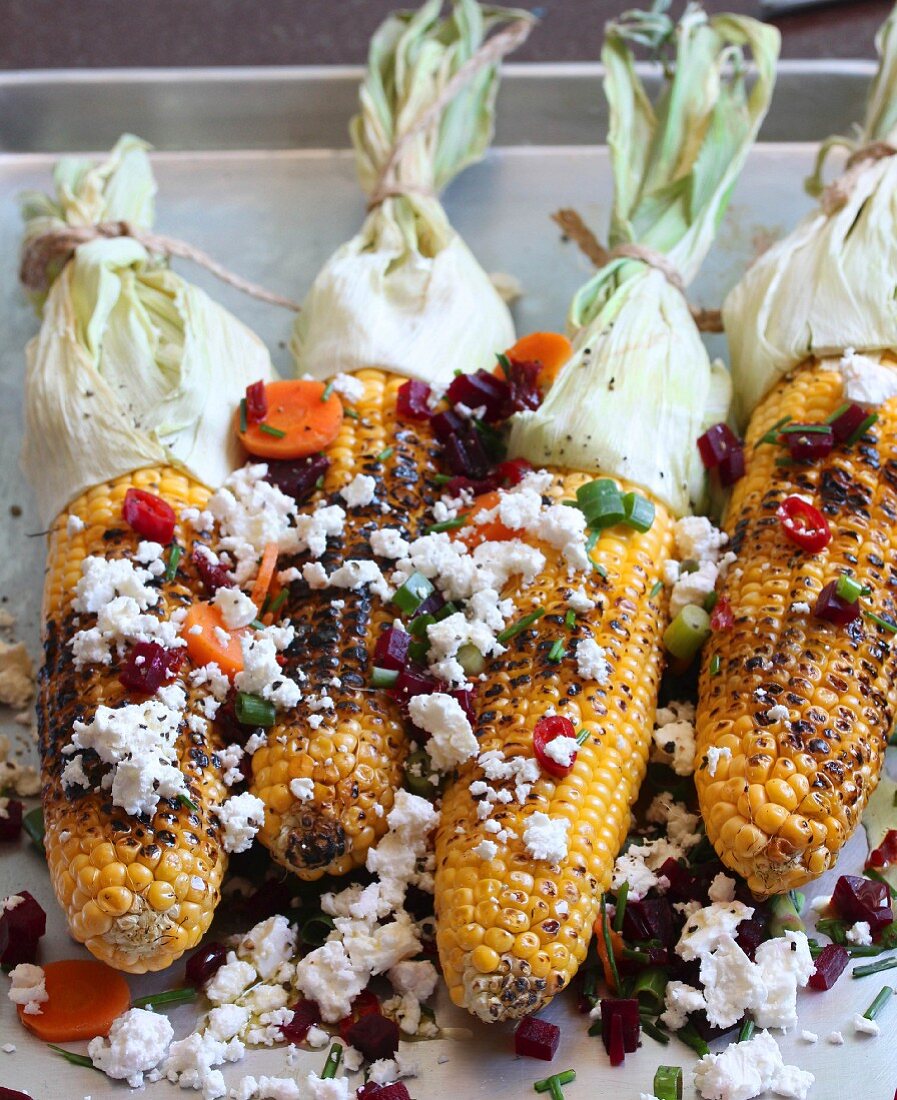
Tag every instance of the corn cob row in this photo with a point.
(511, 930)
(356, 755)
(138, 893)
(780, 807)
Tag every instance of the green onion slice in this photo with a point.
(639, 512)
(412, 593)
(252, 710)
(316, 930)
(471, 660)
(386, 454)
(333, 1060)
(175, 553)
(557, 652)
(850, 589)
(668, 1083)
(601, 502)
(687, 632)
(383, 677)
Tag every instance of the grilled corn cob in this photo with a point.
(780, 807)
(138, 893)
(512, 930)
(356, 755)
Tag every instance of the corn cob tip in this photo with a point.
(310, 839)
(509, 992)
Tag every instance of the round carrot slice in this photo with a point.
(299, 422)
(84, 996)
(207, 644)
(550, 350)
(473, 533)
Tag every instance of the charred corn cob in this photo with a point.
(137, 892)
(355, 754)
(513, 930)
(786, 792)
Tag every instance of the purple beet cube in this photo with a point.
(536, 1038)
(21, 927)
(863, 899)
(830, 965)
(626, 1010)
(11, 820)
(391, 650)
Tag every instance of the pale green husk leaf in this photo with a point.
(640, 387)
(406, 294)
(132, 365)
(831, 284)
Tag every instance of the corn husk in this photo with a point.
(830, 284)
(640, 387)
(406, 294)
(132, 365)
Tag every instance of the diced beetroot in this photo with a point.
(722, 617)
(512, 471)
(683, 884)
(463, 447)
(620, 1026)
(413, 682)
(20, 930)
(413, 400)
(480, 390)
(810, 445)
(149, 515)
(862, 899)
(706, 1029)
(833, 609)
(149, 666)
(12, 1094)
(204, 964)
(731, 469)
(212, 574)
(750, 934)
(305, 1013)
(391, 650)
(715, 444)
(364, 1004)
(374, 1035)
(11, 820)
(256, 403)
(523, 381)
(297, 477)
(536, 1038)
(886, 853)
(847, 423)
(466, 697)
(457, 485)
(394, 1091)
(649, 919)
(830, 965)
(433, 603)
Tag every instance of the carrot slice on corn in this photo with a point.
(550, 350)
(84, 996)
(493, 530)
(206, 644)
(302, 419)
(265, 574)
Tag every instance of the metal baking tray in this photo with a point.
(253, 166)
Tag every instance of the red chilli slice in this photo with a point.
(149, 515)
(804, 525)
(547, 730)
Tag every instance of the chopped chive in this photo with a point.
(351, 413)
(257, 624)
(441, 479)
(168, 997)
(668, 1083)
(185, 801)
(870, 872)
(268, 430)
(319, 484)
(278, 602)
(316, 930)
(654, 1032)
(879, 621)
(656, 589)
(333, 1060)
(505, 363)
(582, 736)
(557, 652)
(328, 390)
(446, 525)
(253, 710)
(715, 663)
(850, 589)
(784, 462)
(772, 436)
(622, 895)
(747, 1030)
(841, 409)
(554, 1085)
(522, 624)
(874, 968)
(386, 454)
(608, 944)
(599, 569)
(71, 1056)
(710, 601)
(884, 995)
(383, 677)
(806, 429)
(691, 1038)
(856, 436)
(244, 424)
(570, 620)
(175, 554)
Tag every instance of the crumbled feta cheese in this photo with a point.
(745, 1070)
(860, 934)
(317, 1037)
(579, 601)
(809, 1036)
(545, 837)
(452, 740)
(104, 579)
(722, 889)
(800, 608)
(137, 1041)
(314, 528)
(73, 524)
(241, 817)
(861, 1026)
(778, 713)
(486, 849)
(16, 675)
(866, 379)
(562, 750)
(348, 386)
(360, 491)
(326, 975)
(303, 790)
(252, 512)
(591, 661)
(269, 945)
(227, 1021)
(28, 988)
(231, 980)
(190, 1063)
(698, 539)
(693, 588)
(237, 609)
(681, 1000)
(713, 755)
(836, 1038)
(674, 737)
(261, 673)
(387, 542)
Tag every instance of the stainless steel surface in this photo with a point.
(275, 216)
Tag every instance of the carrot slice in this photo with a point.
(493, 530)
(550, 350)
(617, 942)
(205, 646)
(299, 421)
(84, 997)
(265, 574)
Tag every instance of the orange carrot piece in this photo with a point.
(550, 350)
(265, 574)
(617, 942)
(297, 409)
(84, 997)
(205, 646)
(494, 530)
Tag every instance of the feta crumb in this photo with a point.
(28, 988)
(713, 757)
(138, 1040)
(562, 750)
(237, 609)
(359, 492)
(674, 737)
(545, 837)
(745, 1070)
(579, 601)
(836, 1038)
(348, 386)
(809, 1036)
(698, 539)
(486, 849)
(591, 661)
(241, 817)
(303, 790)
(866, 379)
(387, 542)
(800, 608)
(452, 739)
(862, 1026)
(722, 889)
(16, 675)
(860, 934)
(778, 713)
(73, 524)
